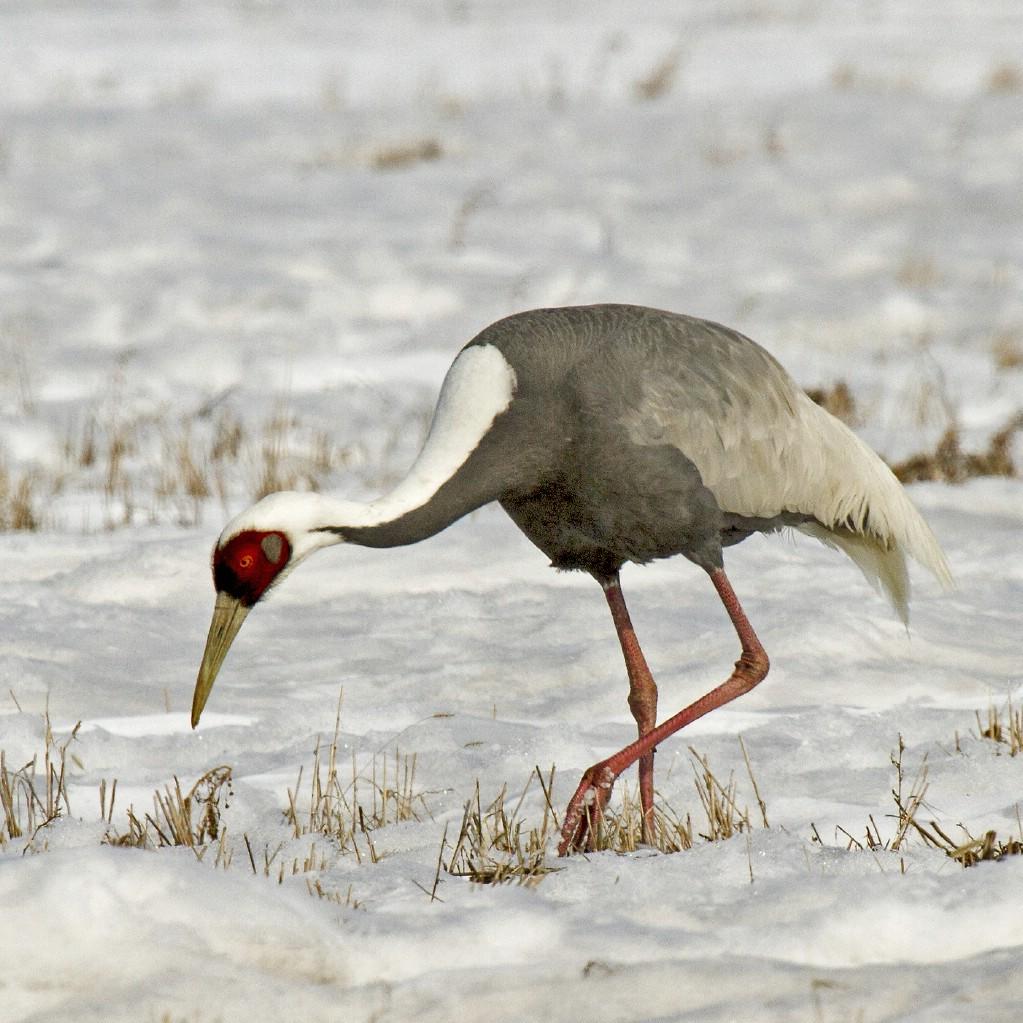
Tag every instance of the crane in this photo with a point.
(609, 434)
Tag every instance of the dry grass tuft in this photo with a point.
(151, 467)
(661, 79)
(405, 154)
(281, 869)
(189, 819)
(1008, 732)
(974, 850)
(28, 809)
(848, 77)
(493, 844)
(478, 199)
(19, 501)
(1007, 349)
(154, 466)
(289, 462)
(844, 77)
(918, 272)
(621, 830)
(185, 478)
(344, 812)
(838, 400)
(908, 804)
(948, 462)
(345, 901)
(1005, 78)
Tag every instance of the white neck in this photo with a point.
(479, 386)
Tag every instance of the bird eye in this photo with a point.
(246, 561)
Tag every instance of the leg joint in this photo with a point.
(643, 704)
(752, 668)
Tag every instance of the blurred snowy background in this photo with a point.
(240, 243)
(221, 218)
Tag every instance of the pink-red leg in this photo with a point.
(595, 788)
(642, 696)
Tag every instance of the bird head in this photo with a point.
(245, 565)
(256, 550)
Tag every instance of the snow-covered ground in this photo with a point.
(218, 218)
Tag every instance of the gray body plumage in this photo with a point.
(637, 434)
(603, 495)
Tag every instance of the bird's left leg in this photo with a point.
(595, 788)
(642, 695)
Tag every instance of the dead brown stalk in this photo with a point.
(348, 812)
(494, 846)
(1007, 732)
(950, 464)
(27, 810)
(189, 819)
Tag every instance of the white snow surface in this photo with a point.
(195, 220)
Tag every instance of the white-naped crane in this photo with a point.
(609, 434)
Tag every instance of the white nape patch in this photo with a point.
(478, 387)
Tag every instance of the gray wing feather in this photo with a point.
(763, 448)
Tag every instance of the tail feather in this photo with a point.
(874, 522)
(765, 450)
(884, 569)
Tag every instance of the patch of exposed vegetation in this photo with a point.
(394, 157)
(495, 846)
(34, 796)
(910, 803)
(19, 501)
(347, 811)
(189, 819)
(31, 799)
(621, 830)
(949, 463)
(838, 400)
(151, 468)
(1004, 726)
(1007, 349)
(1005, 78)
(661, 78)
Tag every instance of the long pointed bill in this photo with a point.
(228, 615)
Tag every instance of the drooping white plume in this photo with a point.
(764, 448)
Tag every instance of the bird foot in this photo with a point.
(586, 808)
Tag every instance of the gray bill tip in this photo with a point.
(228, 615)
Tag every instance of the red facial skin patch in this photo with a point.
(247, 565)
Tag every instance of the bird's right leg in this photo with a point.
(642, 695)
(595, 788)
